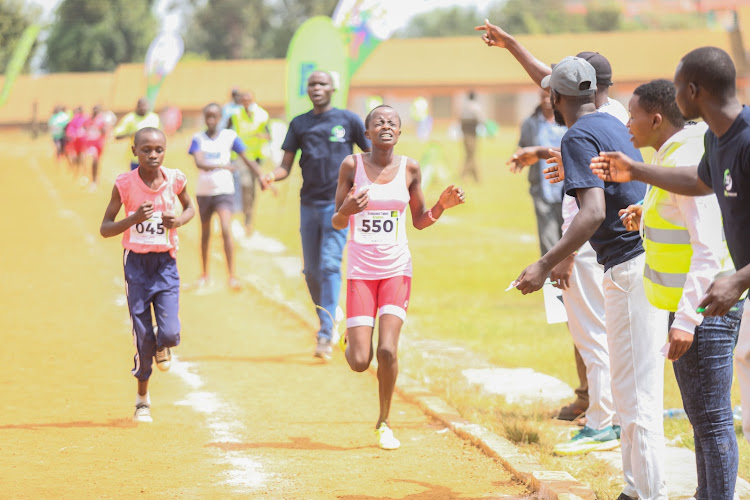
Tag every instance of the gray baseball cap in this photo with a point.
(572, 76)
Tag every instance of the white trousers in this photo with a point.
(584, 303)
(636, 332)
(742, 365)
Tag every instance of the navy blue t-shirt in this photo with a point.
(325, 140)
(726, 168)
(592, 134)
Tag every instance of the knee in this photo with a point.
(169, 334)
(386, 355)
(358, 363)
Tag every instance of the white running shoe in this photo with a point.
(163, 359)
(386, 439)
(142, 413)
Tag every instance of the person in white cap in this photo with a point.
(635, 328)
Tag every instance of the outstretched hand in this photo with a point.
(494, 36)
(612, 167)
(555, 172)
(523, 157)
(354, 202)
(532, 278)
(452, 195)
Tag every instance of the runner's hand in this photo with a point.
(494, 36)
(555, 172)
(144, 212)
(612, 167)
(452, 195)
(354, 202)
(721, 296)
(631, 221)
(679, 342)
(169, 221)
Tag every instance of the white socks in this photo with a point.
(142, 400)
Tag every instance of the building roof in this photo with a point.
(466, 61)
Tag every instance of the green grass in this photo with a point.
(462, 266)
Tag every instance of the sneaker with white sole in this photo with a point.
(163, 359)
(323, 349)
(142, 413)
(588, 440)
(386, 439)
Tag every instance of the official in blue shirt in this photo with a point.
(326, 136)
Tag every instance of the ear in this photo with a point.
(367, 134)
(693, 90)
(132, 148)
(656, 120)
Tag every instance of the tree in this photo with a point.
(93, 35)
(239, 29)
(15, 17)
(537, 17)
(604, 18)
(453, 21)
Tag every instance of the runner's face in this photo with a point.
(640, 124)
(212, 116)
(141, 108)
(385, 127)
(319, 88)
(150, 150)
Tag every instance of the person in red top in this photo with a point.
(75, 139)
(149, 235)
(96, 129)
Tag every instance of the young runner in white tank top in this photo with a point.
(373, 192)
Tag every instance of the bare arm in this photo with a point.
(111, 228)
(584, 225)
(348, 201)
(450, 197)
(282, 171)
(617, 167)
(495, 36)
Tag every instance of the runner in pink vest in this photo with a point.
(373, 192)
(150, 194)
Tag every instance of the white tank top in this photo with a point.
(378, 248)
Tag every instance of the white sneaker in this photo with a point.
(386, 439)
(142, 413)
(163, 359)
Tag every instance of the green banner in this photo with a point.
(18, 59)
(316, 46)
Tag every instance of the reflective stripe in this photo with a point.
(725, 273)
(669, 236)
(670, 280)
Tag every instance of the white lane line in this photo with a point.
(245, 472)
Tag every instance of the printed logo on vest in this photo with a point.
(728, 185)
(337, 134)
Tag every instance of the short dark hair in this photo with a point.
(367, 118)
(712, 69)
(146, 130)
(211, 105)
(658, 96)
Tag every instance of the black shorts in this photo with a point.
(207, 205)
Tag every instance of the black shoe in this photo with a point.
(623, 496)
(571, 412)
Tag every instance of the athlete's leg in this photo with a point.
(310, 231)
(361, 308)
(225, 217)
(205, 210)
(393, 301)
(331, 252)
(167, 303)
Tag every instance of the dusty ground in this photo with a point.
(245, 412)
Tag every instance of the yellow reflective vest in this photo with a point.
(252, 128)
(666, 239)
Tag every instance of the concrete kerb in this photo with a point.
(547, 485)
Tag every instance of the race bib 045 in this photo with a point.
(150, 232)
(376, 227)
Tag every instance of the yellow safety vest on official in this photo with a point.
(667, 243)
(252, 128)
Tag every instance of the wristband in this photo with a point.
(429, 214)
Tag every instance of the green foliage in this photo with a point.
(239, 29)
(604, 18)
(15, 17)
(454, 21)
(93, 35)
